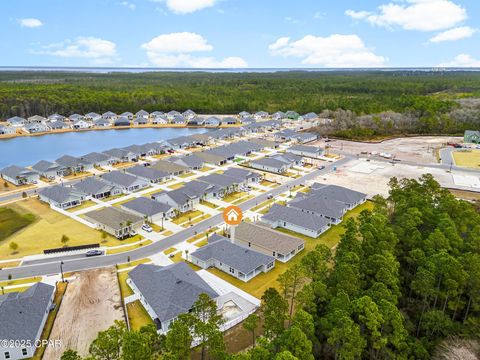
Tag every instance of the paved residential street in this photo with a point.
(74, 263)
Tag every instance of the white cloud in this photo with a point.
(462, 60)
(187, 6)
(99, 50)
(174, 50)
(30, 23)
(454, 34)
(129, 5)
(331, 51)
(422, 15)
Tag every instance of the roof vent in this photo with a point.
(179, 281)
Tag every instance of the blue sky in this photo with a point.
(240, 33)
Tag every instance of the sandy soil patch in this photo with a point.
(91, 304)
(374, 177)
(420, 149)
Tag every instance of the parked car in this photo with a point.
(133, 233)
(321, 167)
(269, 197)
(90, 253)
(147, 228)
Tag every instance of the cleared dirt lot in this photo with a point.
(420, 149)
(372, 177)
(91, 304)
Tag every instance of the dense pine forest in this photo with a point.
(361, 103)
(403, 283)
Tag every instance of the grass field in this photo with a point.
(186, 216)
(260, 283)
(46, 231)
(137, 315)
(122, 281)
(128, 248)
(12, 221)
(170, 250)
(467, 158)
(133, 263)
(176, 186)
(84, 205)
(208, 204)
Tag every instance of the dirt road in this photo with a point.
(91, 304)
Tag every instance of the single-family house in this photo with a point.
(101, 123)
(159, 119)
(279, 115)
(149, 209)
(181, 199)
(306, 151)
(244, 175)
(115, 221)
(203, 190)
(17, 121)
(58, 125)
(92, 116)
(179, 120)
(23, 315)
(227, 183)
(233, 259)
(304, 137)
(37, 119)
(471, 136)
(181, 142)
(260, 115)
(243, 114)
(99, 159)
(121, 155)
(127, 114)
(74, 164)
(189, 114)
(62, 197)
(311, 116)
(128, 183)
(212, 121)
(140, 121)
(50, 170)
(167, 291)
(56, 117)
(270, 164)
(202, 139)
(121, 121)
(109, 115)
(76, 117)
(193, 162)
(292, 115)
(332, 210)
(81, 124)
(7, 130)
(171, 114)
(349, 197)
(170, 167)
(152, 175)
(210, 158)
(34, 128)
(196, 121)
(228, 120)
(295, 220)
(97, 188)
(281, 246)
(19, 175)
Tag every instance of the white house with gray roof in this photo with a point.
(233, 259)
(62, 197)
(166, 292)
(318, 204)
(350, 198)
(270, 164)
(212, 121)
(97, 188)
(153, 176)
(7, 130)
(99, 159)
(74, 164)
(281, 246)
(93, 116)
(306, 151)
(34, 128)
(17, 121)
(181, 200)
(19, 175)
(22, 318)
(170, 167)
(150, 209)
(121, 155)
(115, 221)
(244, 175)
(193, 162)
(128, 183)
(295, 220)
(81, 124)
(50, 170)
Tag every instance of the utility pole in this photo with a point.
(61, 271)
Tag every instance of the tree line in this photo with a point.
(403, 278)
(426, 98)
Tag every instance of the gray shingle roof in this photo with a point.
(320, 205)
(199, 188)
(169, 167)
(236, 256)
(44, 165)
(338, 193)
(21, 314)
(146, 206)
(14, 171)
(170, 290)
(266, 238)
(147, 172)
(92, 186)
(71, 161)
(241, 174)
(119, 178)
(269, 162)
(59, 193)
(192, 161)
(117, 153)
(95, 157)
(220, 180)
(211, 158)
(296, 217)
(113, 217)
(305, 149)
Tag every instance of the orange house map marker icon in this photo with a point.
(232, 215)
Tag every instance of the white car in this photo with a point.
(147, 228)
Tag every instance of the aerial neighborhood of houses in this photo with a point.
(166, 199)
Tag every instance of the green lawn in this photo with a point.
(467, 158)
(209, 204)
(187, 216)
(11, 221)
(176, 186)
(260, 283)
(133, 263)
(137, 315)
(122, 281)
(84, 205)
(129, 248)
(265, 203)
(234, 196)
(169, 251)
(20, 281)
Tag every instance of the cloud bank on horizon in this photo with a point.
(242, 33)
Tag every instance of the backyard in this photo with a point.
(137, 315)
(46, 231)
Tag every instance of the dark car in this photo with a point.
(90, 253)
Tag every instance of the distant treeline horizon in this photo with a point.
(427, 98)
